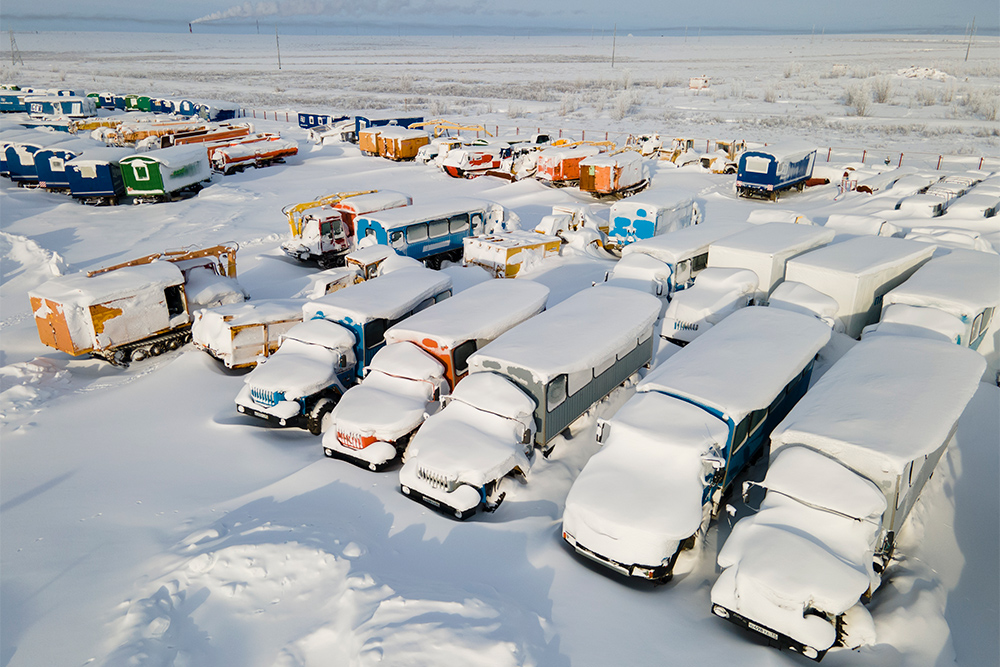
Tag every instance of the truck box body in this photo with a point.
(857, 273)
(763, 172)
(649, 214)
(238, 334)
(764, 249)
(399, 143)
(612, 174)
(560, 165)
(165, 171)
(504, 255)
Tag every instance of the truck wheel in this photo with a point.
(433, 262)
(323, 407)
(139, 354)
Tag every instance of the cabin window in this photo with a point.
(477, 223)
(756, 417)
(57, 164)
(326, 229)
(604, 365)
(174, 296)
(699, 262)
(555, 393)
(437, 229)
(976, 326)
(87, 171)
(458, 223)
(394, 237)
(441, 296)
(778, 399)
(416, 233)
(141, 172)
(374, 333)
(756, 165)
(740, 434)
(424, 305)
(461, 356)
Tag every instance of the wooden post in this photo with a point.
(583, 135)
(940, 157)
(829, 152)
(863, 156)
(900, 159)
(981, 162)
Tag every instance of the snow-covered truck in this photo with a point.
(400, 143)
(652, 213)
(716, 294)
(504, 255)
(695, 423)
(240, 334)
(953, 297)
(560, 165)
(616, 174)
(323, 230)
(300, 384)
(856, 273)
(473, 161)
(432, 232)
(135, 309)
(765, 249)
(261, 153)
(794, 573)
(525, 388)
(765, 172)
(667, 263)
(425, 356)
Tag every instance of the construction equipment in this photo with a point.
(441, 126)
(135, 309)
(681, 152)
(724, 159)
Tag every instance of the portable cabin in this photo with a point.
(68, 92)
(310, 120)
(561, 166)
(70, 107)
(765, 249)
(456, 328)
(430, 231)
(695, 422)
(105, 100)
(857, 273)
(20, 153)
(181, 106)
(95, 176)
(399, 143)
(166, 172)
(683, 254)
(12, 101)
(361, 123)
(764, 172)
(368, 309)
(240, 334)
(504, 255)
(368, 140)
(974, 205)
(652, 213)
(574, 354)
(620, 173)
(217, 110)
(51, 161)
(30, 139)
(958, 289)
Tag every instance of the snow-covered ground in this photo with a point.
(145, 522)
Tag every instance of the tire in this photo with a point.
(156, 349)
(139, 354)
(433, 262)
(323, 407)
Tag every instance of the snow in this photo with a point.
(481, 312)
(716, 293)
(684, 243)
(395, 218)
(305, 361)
(858, 413)
(207, 289)
(641, 494)
(903, 320)
(741, 363)
(374, 201)
(567, 338)
(133, 499)
(388, 296)
(962, 283)
(785, 151)
(800, 298)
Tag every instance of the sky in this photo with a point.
(502, 16)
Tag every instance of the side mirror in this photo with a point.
(713, 469)
(659, 289)
(525, 436)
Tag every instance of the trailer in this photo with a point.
(51, 161)
(796, 577)
(241, 334)
(21, 149)
(69, 107)
(307, 121)
(675, 448)
(617, 175)
(318, 360)
(260, 153)
(399, 143)
(165, 174)
(765, 172)
(765, 249)
(559, 166)
(425, 357)
(472, 161)
(527, 386)
(136, 309)
(504, 255)
(217, 110)
(432, 232)
(368, 140)
(95, 177)
(361, 123)
(856, 273)
(13, 101)
(652, 213)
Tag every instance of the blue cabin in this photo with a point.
(217, 110)
(95, 177)
(51, 161)
(120, 102)
(12, 101)
(161, 105)
(431, 232)
(73, 107)
(184, 106)
(361, 123)
(308, 120)
(764, 172)
(19, 154)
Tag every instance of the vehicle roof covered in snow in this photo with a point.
(578, 333)
(963, 283)
(374, 201)
(772, 238)
(79, 290)
(861, 255)
(612, 159)
(395, 218)
(653, 199)
(173, 156)
(100, 155)
(785, 151)
(861, 412)
(388, 296)
(406, 360)
(322, 333)
(482, 311)
(683, 243)
(741, 363)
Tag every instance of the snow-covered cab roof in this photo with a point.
(741, 363)
(684, 243)
(578, 334)
(79, 290)
(773, 238)
(612, 159)
(963, 283)
(388, 296)
(889, 401)
(481, 312)
(786, 151)
(395, 218)
(657, 200)
(174, 156)
(374, 201)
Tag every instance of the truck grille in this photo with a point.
(266, 398)
(354, 440)
(437, 480)
(685, 326)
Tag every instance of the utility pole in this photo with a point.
(277, 46)
(15, 53)
(972, 31)
(614, 41)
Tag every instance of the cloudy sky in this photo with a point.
(545, 16)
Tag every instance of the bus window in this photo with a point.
(461, 356)
(374, 333)
(458, 223)
(555, 393)
(699, 262)
(740, 434)
(441, 296)
(438, 228)
(416, 233)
